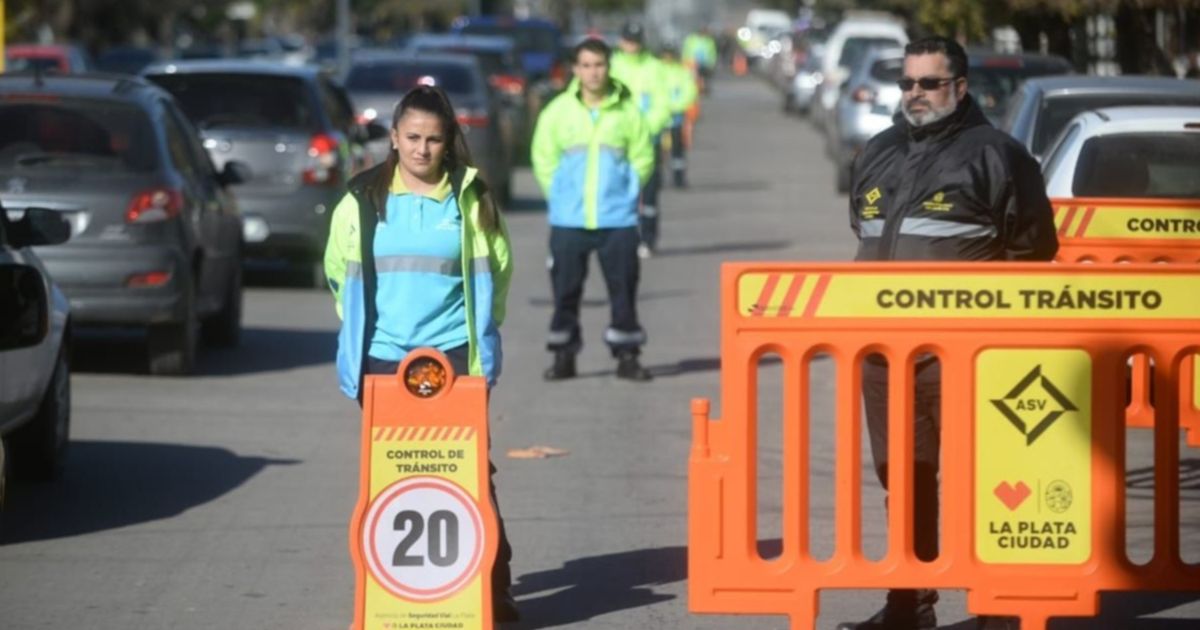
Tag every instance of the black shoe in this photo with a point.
(987, 622)
(629, 369)
(563, 368)
(504, 609)
(905, 610)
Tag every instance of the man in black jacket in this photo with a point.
(940, 184)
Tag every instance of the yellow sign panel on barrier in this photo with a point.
(1129, 222)
(1033, 460)
(1058, 296)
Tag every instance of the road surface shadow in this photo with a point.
(115, 484)
(1140, 481)
(586, 588)
(1120, 610)
(261, 350)
(721, 248)
(707, 187)
(682, 367)
(526, 204)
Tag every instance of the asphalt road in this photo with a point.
(222, 500)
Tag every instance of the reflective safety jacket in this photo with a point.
(645, 76)
(591, 164)
(956, 189)
(351, 266)
(681, 87)
(700, 50)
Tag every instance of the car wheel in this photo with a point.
(40, 447)
(224, 328)
(171, 347)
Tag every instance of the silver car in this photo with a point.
(378, 79)
(869, 99)
(1042, 107)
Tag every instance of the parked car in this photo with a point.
(126, 59)
(537, 41)
(798, 96)
(378, 79)
(1043, 106)
(498, 58)
(994, 77)
(35, 371)
(295, 128)
(1134, 152)
(156, 237)
(844, 50)
(62, 58)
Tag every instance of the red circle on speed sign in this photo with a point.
(423, 539)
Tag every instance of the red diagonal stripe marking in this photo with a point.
(818, 293)
(764, 297)
(403, 433)
(458, 433)
(1062, 229)
(789, 299)
(1083, 223)
(389, 433)
(377, 434)
(470, 433)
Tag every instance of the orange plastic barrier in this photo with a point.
(423, 535)
(1033, 359)
(1092, 230)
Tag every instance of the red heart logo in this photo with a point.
(1012, 496)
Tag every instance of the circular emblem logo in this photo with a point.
(1059, 496)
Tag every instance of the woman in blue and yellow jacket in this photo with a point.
(418, 256)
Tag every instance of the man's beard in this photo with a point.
(931, 114)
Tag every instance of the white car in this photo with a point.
(1127, 152)
(35, 386)
(844, 50)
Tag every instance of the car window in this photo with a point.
(72, 133)
(1058, 149)
(1156, 165)
(242, 100)
(338, 110)
(527, 38)
(855, 48)
(179, 150)
(191, 139)
(1057, 111)
(402, 76)
(993, 86)
(887, 70)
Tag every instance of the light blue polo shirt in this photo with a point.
(420, 296)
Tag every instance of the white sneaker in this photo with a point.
(644, 251)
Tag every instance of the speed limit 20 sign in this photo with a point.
(423, 535)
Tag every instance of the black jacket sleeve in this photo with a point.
(1029, 232)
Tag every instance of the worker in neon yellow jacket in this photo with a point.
(591, 155)
(700, 53)
(681, 87)
(645, 76)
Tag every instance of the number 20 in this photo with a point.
(442, 524)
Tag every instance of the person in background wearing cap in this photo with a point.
(591, 156)
(681, 87)
(700, 52)
(645, 77)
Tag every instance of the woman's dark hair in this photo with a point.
(432, 100)
(955, 55)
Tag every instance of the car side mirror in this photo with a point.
(234, 172)
(39, 226)
(24, 320)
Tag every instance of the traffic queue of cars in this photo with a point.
(136, 201)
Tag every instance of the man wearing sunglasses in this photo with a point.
(940, 184)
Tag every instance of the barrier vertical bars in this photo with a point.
(848, 466)
(958, 476)
(1166, 460)
(797, 419)
(901, 462)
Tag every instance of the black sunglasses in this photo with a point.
(926, 83)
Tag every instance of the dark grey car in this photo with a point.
(293, 127)
(1042, 107)
(378, 79)
(156, 238)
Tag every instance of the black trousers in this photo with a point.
(570, 249)
(648, 216)
(501, 573)
(926, 441)
(678, 155)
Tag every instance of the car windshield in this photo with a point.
(1155, 165)
(75, 133)
(856, 48)
(492, 62)
(242, 100)
(1057, 111)
(993, 86)
(887, 70)
(527, 38)
(400, 77)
